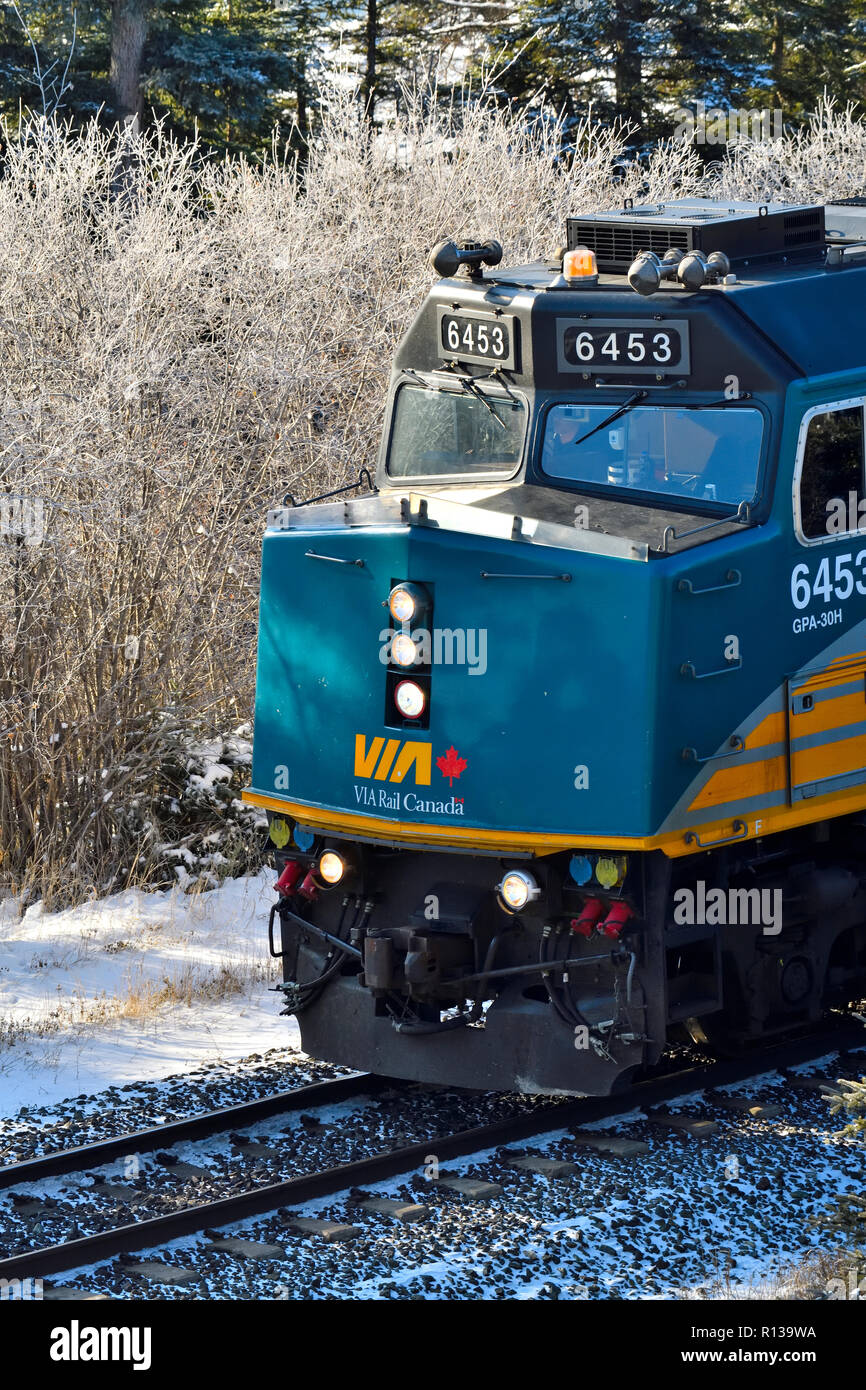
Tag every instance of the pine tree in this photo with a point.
(397, 41)
(130, 21)
(605, 53)
(220, 70)
(643, 59)
(81, 42)
(702, 58)
(850, 1097)
(230, 70)
(233, 68)
(795, 50)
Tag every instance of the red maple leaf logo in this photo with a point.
(451, 765)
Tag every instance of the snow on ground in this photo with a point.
(135, 987)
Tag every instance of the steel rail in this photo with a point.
(201, 1126)
(157, 1231)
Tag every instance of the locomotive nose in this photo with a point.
(435, 674)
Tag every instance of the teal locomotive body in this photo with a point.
(562, 731)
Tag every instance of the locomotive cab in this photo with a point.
(560, 732)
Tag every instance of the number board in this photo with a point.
(623, 345)
(479, 337)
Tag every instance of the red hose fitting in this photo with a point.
(309, 888)
(592, 911)
(615, 920)
(285, 884)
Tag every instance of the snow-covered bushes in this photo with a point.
(823, 161)
(199, 829)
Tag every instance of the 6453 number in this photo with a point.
(623, 345)
(477, 339)
(839, 584)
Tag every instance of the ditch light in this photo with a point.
(517, 890)
(331, 868)
(407, 602)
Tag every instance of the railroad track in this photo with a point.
(295, 1191)
(198, 1127)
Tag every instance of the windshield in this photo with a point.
(708, 454)
(455, 432)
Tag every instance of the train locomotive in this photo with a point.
(561, 728)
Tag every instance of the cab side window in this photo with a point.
(832, 471)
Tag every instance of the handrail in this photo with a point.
(690, 755)
(740, 830)
(289, 501)
(743, 515)
(688, 669)
(733, 579)
(333, 559)
(565, 578)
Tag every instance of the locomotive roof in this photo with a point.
(798, 275)
(812, 312)
(787, 308)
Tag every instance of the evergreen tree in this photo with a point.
(850, 1097)
(703, 58)
(70, 39)
(397, 42)
(642, 59)
(130, 20)
(799, 48)
(599, 53)
(220, 69)
(233, 68)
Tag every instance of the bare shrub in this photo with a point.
(822, 161)
(816, 1275)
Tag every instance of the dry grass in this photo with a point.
(823, 161)
(180, 344)
(141, 998)
(820, 1274)
(144, 998)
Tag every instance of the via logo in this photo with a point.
(389, 760)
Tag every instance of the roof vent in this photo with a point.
(745, 232)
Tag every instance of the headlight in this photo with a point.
(407, 602)
(517, 889)
(410, 700)
(331, 868)
(403, 650)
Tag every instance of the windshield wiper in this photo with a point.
(498, 376)
(470, 386)
(410, 371)
(620, 410)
